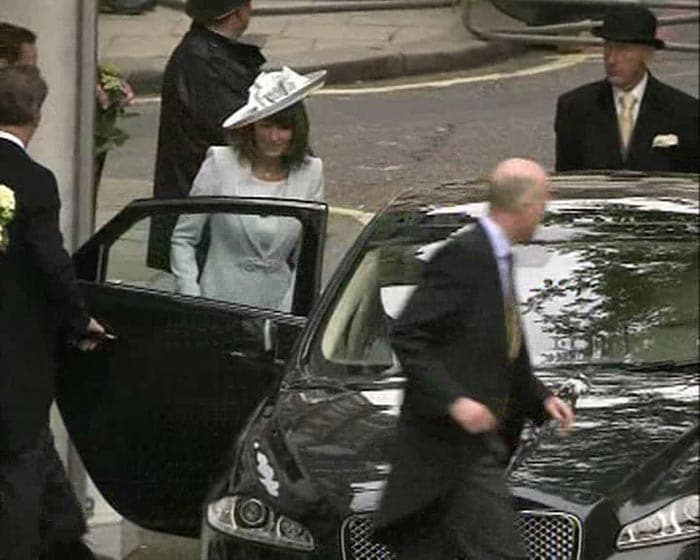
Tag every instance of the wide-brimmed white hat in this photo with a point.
(273, 91)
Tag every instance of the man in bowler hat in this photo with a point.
(205, 80)
(629, 120)
(469, 387)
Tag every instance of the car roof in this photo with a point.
(563, 186)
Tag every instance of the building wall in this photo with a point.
(66, 41)
(66, 32)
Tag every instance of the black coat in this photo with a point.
(40, 300)
(588, 136)
(451, 341)
(206, 79)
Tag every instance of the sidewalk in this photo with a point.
(286, 7)
(352, 45)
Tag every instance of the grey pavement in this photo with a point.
(278, 7)
(408, 37)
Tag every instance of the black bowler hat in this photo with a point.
(211, 9)
(630, 24)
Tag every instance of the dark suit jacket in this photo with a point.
(39, 300)
(451, 341)
(588, 136)
(206, 79)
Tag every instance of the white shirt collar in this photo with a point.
(12, 138)
(637, 91)
(497, 237)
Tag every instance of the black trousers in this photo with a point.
(475, 522)
(40, 517)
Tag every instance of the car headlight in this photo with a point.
(676, 521)
(253, 520)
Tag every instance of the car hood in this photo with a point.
(342, 438)
(625, 420)
(342, 441)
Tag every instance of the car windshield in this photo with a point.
(603, 281)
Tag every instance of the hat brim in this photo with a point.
(650, 41)
(248, 115)
(202, 14)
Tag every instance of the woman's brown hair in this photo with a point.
(294, 118)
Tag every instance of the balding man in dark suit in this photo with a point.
(630, 120)
(470, 387)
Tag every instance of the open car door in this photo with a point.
(154, 412)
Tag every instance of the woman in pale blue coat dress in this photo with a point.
(251, 258)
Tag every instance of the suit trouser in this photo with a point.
(475, 522)
(39, 513)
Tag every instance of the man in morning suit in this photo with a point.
(470, 387)
(39, 303)
(630, 120)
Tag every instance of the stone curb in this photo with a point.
(352, 65)
(308, 7)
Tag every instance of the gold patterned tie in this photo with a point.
(511, 306)
(625, 119)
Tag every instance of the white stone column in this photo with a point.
(66, 32)
(66, 40)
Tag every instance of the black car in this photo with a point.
(269, 434)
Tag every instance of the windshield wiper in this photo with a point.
(670, 365)
(627, 173)
(315, 383)
(665, 365)
(357, 384)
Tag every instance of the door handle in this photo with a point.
(261, 357)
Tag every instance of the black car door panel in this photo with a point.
(154, 412)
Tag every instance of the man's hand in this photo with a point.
(87, 344)
(472, 416)
(559, 411)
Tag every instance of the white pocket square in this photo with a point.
(664, 141)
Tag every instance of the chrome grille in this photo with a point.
(550, 534)
(545, 534)
(356, 542)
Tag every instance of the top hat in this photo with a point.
(211, 9)
(273, 91)
(629, 24)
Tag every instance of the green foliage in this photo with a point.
(112, 95)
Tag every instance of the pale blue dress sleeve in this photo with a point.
(317, 181)
(314, 191)
(188, 232)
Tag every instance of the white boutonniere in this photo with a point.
(664, 141)
(7, 213)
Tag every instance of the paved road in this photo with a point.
(377, 141)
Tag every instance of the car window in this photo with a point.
(357, 330)
(241, 259)
(127, 263)
(609, 283)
